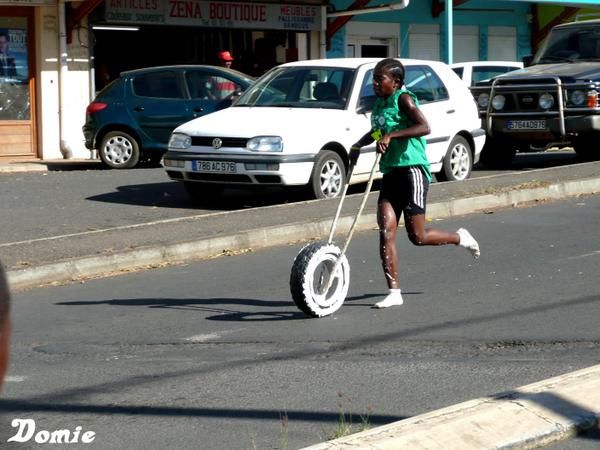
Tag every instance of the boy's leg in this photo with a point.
(387, 219)
(414, 218)
(419, 235)
(388, 227)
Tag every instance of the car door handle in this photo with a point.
(199, 109)
(138, 108)
(450, 111)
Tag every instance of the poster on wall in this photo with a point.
(13, 54)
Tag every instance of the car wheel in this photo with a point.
(203, 193)
(458, 162)
(154, 159)
(328, 175)
(119, 150)
(497, 154)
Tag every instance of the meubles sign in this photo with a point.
(215, 14)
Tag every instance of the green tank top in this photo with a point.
(387, 117)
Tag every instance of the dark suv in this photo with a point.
(551, 103)
(131, 119)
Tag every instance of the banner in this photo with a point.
(215, 14)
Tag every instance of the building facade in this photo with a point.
(55, 55)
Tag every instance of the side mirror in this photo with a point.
(527, 60)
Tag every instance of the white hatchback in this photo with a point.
(295, 125)
(473, 72)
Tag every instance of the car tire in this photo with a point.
(154, 159)
(119, 150)
(458, 162)
(313, 262)
(203, 193)
(328, 176)
(497, 154)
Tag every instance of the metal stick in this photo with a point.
(341, 202)
(351, 231)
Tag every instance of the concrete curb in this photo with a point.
(528, 417)
(91, 266)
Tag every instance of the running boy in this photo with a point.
(398, 125)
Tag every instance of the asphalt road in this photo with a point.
(62, 201)
(214, 355)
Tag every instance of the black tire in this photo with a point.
(119, 150)
(497, 154)
(203, 193)
(310, 271)
(154, 159)
(586, 149)
(458, 162)
(328, 176)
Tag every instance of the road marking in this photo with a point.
(585, 255)
(14, 378)
(202, 337)
(145, 224)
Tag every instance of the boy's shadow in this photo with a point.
(218, 306)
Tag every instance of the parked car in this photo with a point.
(132, 118)
(295, 125)
(554, 102)
(473, 72)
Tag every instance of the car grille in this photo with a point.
(207, 141)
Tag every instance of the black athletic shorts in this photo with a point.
(406, 189)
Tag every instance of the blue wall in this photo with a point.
(484, 13)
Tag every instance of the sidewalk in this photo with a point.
(531, 416)
(34, 262)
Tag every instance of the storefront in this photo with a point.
(482, 30)
(17, 83)
(128, 34)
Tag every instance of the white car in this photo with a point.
(475, 71)
(295, 125)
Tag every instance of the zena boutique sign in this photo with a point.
(215, 14)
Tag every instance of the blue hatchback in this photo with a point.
(131, 119)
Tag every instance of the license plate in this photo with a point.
(526, 125)
(213, 166)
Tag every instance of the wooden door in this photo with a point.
(17, 84)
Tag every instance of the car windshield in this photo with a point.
(569, 45)
(300, 87)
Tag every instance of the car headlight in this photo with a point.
(265, 144)
(180, 141)
(578, 98)
(483, 100)
(546, 101)
(498, 102)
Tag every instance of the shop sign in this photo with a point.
(215, 14)
(27, 2)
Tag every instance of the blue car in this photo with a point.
(132, 118)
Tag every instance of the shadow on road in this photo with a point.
(8, 405)
(171, 194)
(224, 314)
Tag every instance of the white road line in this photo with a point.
(121, 227)
(14, 378)
(585, 255)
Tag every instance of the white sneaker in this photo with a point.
(392, 299)
(467, 241)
